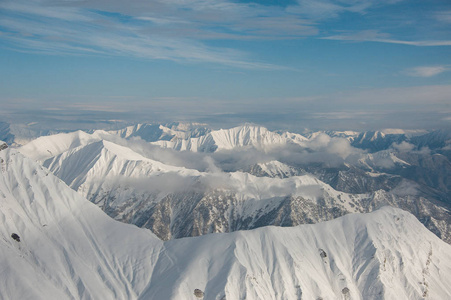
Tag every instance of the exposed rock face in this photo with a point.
(273, 169)
(195, 213)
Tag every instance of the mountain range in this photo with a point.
(58, 245)
(183, 180)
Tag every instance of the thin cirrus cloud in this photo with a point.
(444, 16)
(182, 31)
(427, 71)
(173, 31)
(95, 34)
(380, 37)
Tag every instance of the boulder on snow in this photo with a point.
(198, 293)
(15, 237)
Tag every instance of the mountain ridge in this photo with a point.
(175, 202)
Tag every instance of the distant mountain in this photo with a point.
(273, 169)
(226, 139)
(66, 248)
(375, 141)
(166, 132)
(347, 134)
(20, 134)
(5, 133)
(434, 140)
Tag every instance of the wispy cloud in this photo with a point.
(444, 16)
(171, 30)
(379, 37)
(177, 30)
(95, 37)
(427, 71)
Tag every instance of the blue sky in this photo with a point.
(349, 63)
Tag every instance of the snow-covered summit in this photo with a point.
(156, 132)
(226, 139)
(45, 147)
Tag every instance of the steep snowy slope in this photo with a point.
(69, 249)
(104, 159)
(48, 146)
(393, 257)
(120, 181)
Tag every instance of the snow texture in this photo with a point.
(69, 249)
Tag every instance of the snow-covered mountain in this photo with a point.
(163, 132)
(176, 202)
(69, 249)
(274, 169)
(374, 141)
(433, 140)
(226, 139)
(20, 134)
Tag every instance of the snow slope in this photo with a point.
(45, 147)
(384, 255)
(69, 249)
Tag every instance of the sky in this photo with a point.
(324, 64)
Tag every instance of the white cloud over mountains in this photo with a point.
(330, 151)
